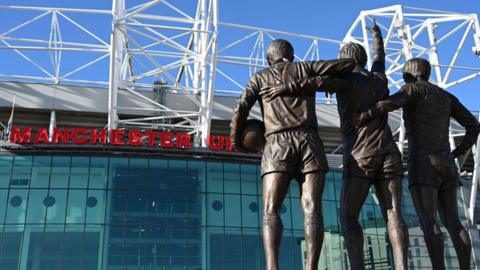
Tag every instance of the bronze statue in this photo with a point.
(432, 172)
(370, 155)
(293, 148)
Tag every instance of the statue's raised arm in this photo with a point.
(378, 49)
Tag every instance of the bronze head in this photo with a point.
(279, 49)
(354, 51)
(416, 69)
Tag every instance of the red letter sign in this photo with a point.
(116, 137)
(61, 135)
(76, 138)
(95, 135)
(135, 137)
(212, 145)
(166, 139)
(183, 140)
(18, 137)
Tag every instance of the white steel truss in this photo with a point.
(177, 46)
(171, 47)
(167, 48)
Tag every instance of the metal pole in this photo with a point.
(53, 124)
(432, 54)
(404, 32)
(116, 43)
(203, 70)
(206, 123)
(474, 235)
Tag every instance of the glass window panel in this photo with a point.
(95, 206)
(118, 206)
(249, 179)
(330, 216)
(138, 173)
(338, 182)
(232, 210)
(178, 179)
(10, 246)
(60, 173)
(286, 213)
(76, 206)
(196, 171)
(91, 247)
(370, 199)
(3, 207)
(231, 177)
(98, 172)
(52, 248)
(329, 190)
(216, 251)
(119, 173)
(23, 161)
(262, 258)
(294, 189)
(259, 180)
(158, 173)
(79, 172)
(40, 172)
(115, 255)
(116, 243)
(297, 214)
(286, 257)
(233, 249)
(133, 249)
(215, 210)
(297, 237)
(56, 212)
(17, 206)
(175, 250)
(33, 237)
(251, 251)
(6, 163)
(332, 251)
(135, 207)
(21, 173)
(250, 211)
(36, 207)
(214, 177)
(194, 247)
(73, 241)
(194, 202)
(156, 207)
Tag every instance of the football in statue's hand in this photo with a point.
(253, 135)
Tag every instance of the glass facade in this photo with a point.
(104, 212)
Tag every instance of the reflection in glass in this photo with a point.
(102, 212)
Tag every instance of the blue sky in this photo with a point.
(316, 17)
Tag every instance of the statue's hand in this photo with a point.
(375, 28)
(270, 92)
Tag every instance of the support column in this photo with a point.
(404, 32)
(207, 101)
(116, 44)
(53, 124)
(474, 235)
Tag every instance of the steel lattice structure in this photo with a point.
(183, 48)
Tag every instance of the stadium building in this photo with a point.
(137, 171)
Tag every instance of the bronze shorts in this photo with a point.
(296, 151)
(440, 172)
(377, 167)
